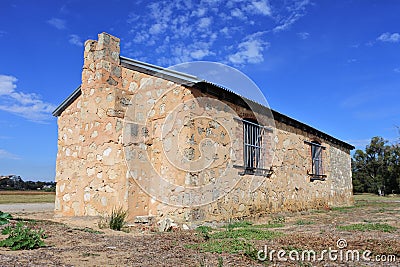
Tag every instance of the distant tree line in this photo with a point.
(377, 168)
(14, 182)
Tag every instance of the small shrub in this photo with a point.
(22, 237)
(117, 218)
(4, 218)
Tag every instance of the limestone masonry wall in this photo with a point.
(157, 147)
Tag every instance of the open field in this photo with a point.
(8, 197)
(372, 224)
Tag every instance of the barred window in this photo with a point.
(317, 171)
(254, 146)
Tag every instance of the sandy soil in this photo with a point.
(71, 242)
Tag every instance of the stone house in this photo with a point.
(163, 143)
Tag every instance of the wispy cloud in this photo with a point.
(303, 35)
(75, 40)
(212, 30)
(4, 154)
(59, 24)
(294, 11)
(27, 105)
(2, 33)
(396, 70)
(389, 37)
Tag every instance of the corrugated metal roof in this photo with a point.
(191, 80)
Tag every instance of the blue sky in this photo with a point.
(334, 65)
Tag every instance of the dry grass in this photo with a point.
(234, 245)
(10, 197)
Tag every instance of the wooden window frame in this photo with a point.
(317, 161)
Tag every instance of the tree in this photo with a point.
(377, 169)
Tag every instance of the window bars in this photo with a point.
(316, 161)
(254, 154)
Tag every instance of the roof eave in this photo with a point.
(68, 101)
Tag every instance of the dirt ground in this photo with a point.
(75, 242)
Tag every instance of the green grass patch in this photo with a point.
(238, 224)
(303, 222)
(246, 233)
(203, 229)
(375, 198)
(26, 197)
(232, 246)
(269, 225)
(383, 227)
(235, 239)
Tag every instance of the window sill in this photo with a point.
(317, 177)
(255, 171)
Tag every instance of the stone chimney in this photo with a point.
(101, 61)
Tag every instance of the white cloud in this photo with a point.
(156, 28)
(57, 23)
(204, 22)
(209, 29)
(237, 13)
(4, 154)
(199, 12)
(396, 70)
(27, 105)
(303, 35)
(260, 7)
(199, 54)
(7, 84)
(250, 50)
(75, 40)
(389, 37)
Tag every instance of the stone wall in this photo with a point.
(157, 147)
(91, 176)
